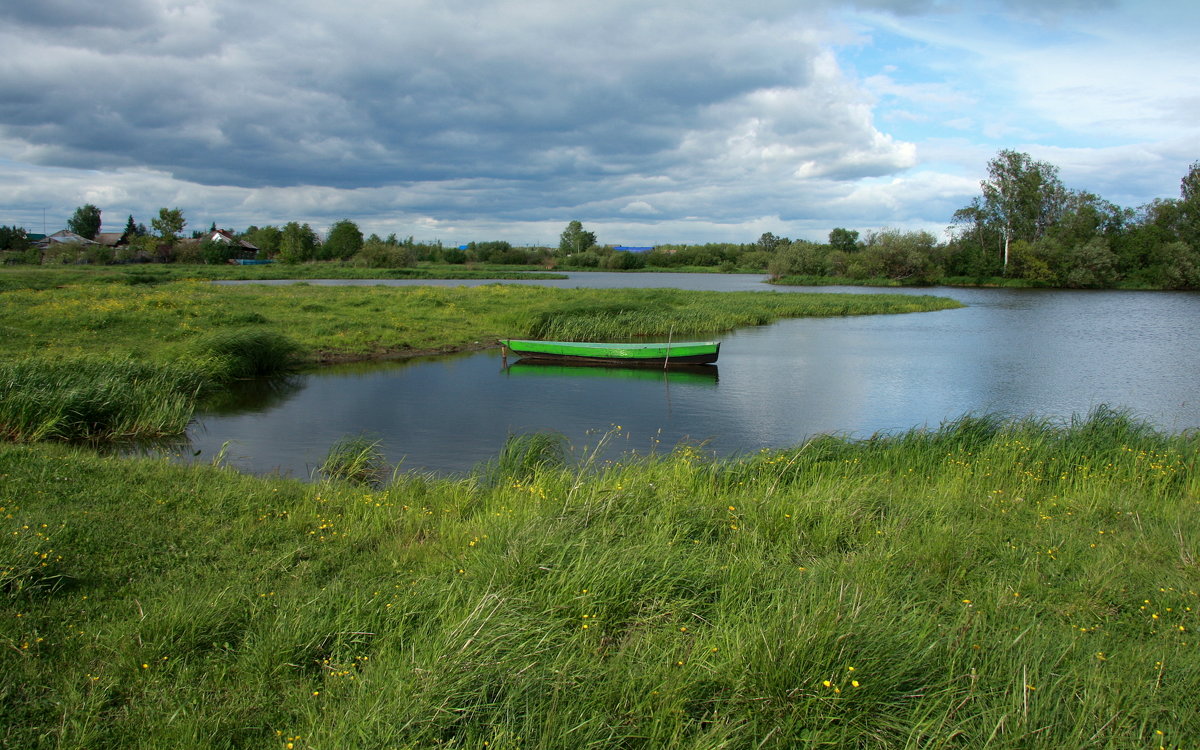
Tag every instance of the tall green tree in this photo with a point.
(169, 224)
(1189, 207)
(575, 239)
(297, 243)
(1023, 198)
(13, 238)
(85, 222)
(266, 239)
(344, 241)
(131, 230)
(845, 240)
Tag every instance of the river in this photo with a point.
(1052, 354)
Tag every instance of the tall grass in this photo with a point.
(94, 398)
(90, 398)
(988, 583)
(660, 312)
(356, 459)
(246, 353)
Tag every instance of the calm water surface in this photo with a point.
(1052, 354)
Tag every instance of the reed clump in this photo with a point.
(357, 459)
(246, 353)
(95, 398)
(987, 583)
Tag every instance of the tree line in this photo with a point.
(1025, 227)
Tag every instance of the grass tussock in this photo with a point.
(355, 459)
(247, 353)
(989, 583)
(92, 398)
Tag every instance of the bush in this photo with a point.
(376, 253)
(623, 260)
(233, 355)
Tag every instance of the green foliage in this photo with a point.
(526, 455)
(169, 224)
(89, 398)
(845, 240)
(85, 222)
(986, 584)
(267, 239)
(377, 253)
(623, 260)
(13, 238)
(453, 256)
(246, 353)
(345, 240)
(575, 239)
(216, 252)
(297, 243)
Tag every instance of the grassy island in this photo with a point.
(101, 359)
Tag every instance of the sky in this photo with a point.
(685, 121)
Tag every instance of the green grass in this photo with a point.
(161, 321)
(988, 584)
(49, 277)
(213, 334)
(95, 398)
(355, 459)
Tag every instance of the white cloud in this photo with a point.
(509, 118)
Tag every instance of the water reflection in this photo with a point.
(678, 375)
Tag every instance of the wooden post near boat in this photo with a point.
(667, 359)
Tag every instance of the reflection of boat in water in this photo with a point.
(681, 374)
(662, 354)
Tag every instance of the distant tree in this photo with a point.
(216, 252)
(13, 238)
(85, 222)
(344, 241)
(266, 239)
(768, 242)
(575, 239)
(1022, 197)
(1189, 208)
(845, 240)
(169, 224)
(297, 243)
(130, 230)
(901, 256)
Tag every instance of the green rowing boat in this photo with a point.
(662, 354)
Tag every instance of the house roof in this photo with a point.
(221, 235)
(64, 237)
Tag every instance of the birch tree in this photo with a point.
(1023, 198)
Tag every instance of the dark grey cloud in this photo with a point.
(371, 94)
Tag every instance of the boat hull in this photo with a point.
(625, 355)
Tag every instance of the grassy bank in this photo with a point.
(48, 277)
(58, 346)
(158, 321)
(1006, 585)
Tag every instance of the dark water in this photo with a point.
(1052, 354)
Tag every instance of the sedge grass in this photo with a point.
(94, 398)
(356, 459)
(988, 584)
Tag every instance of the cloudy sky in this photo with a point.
(651, 122)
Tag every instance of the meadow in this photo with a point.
(988, 584)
